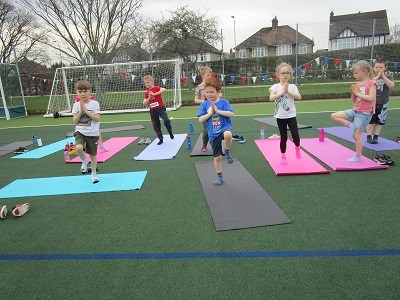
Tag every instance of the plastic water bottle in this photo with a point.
(262, 132)
(35, 140)
(321, 135)
(188, 142)
(191, 129)
(39, 142)
(66, 154)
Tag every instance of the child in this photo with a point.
(152, 98)
(384, 82)
(216, 113)
(199, 98)
(363, 94)
(86, 117)
(284, 94)
(100, 143)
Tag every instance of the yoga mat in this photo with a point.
(345, 133)
(272, 121)
(197, 148)
(305, 165)
(240, 202)
(13, 146)
(73, 185)
(114, 129)
(113, 145)
(166, 150)
(335, 155)
(43, 151)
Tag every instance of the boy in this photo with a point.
(152, 98)
(384, 82)
(86, 117)
(216, 113)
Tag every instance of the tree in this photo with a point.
(85, 31)
(394, 36)
(185, 32)
(18, 29)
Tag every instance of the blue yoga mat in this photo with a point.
(73, 185)
(166, 150)
(46, 150)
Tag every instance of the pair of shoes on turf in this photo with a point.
(218, 181)
(18, 210)
(383, 159)
(144, 141)
(235, 137)
(20, 150)
(398, 139)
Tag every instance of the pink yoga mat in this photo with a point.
(335, 155)
(305, 165)
(113, 146)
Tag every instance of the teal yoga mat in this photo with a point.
(73, 185)
(46, 150)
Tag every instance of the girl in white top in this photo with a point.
(284, 94)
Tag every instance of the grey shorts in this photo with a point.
(89, 143)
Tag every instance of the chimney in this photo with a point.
(275, 23)
(331, 17)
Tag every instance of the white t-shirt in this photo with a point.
(284, 106)
(86, 125)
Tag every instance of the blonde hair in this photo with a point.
(204, 70)
(282, 65)
(148, 77)
(363, 65)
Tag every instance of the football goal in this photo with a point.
(118, 87)
(12, 104)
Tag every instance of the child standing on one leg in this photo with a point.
(363, 94)
(86, 117)
(216, 113)
(199, 98)
(384, 82)
(152, 98)
(284, 94)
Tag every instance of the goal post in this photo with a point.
(118, 87)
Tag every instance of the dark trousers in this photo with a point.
(155, 115)
(283, 124)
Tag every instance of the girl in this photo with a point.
(363, 94)
(284, 94)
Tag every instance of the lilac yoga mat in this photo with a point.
(345, 133)
(305, 165)
(336, 155)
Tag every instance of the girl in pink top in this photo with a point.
(363, 94)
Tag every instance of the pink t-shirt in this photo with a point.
(362, 105)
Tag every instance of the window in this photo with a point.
(347, 43)
(285, 49)
(259, 52)
(376, 40)
(302, 48)
(242, 53)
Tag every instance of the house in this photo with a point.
(274, 41)
(358, 30)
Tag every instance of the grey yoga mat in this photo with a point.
(240, 202)
(113, 129)
(197, 148)
(272, 121)
(13, 146)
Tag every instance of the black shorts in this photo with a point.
(379, 117)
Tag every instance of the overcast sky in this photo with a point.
(250, 16)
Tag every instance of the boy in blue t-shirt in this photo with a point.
(216, 113)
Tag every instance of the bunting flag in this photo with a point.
(123, 75)
(244, 79)
(194, 78)
(297, 70)
(254, 79)
(164, 81)
(183, 80)
(337, 61)
(307, 66)
(395, 65)
(326, 60)
(232, 79)
(265, 77)
(222, 77)
(317, 61)
(348, 61)
(133, 77)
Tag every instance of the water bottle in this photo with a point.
(188, 142)
(262, 132)
(35, 140)
(66, 154)
(321, 135)
(191, 129)
(39, 142)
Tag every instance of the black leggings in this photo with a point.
(283, 124)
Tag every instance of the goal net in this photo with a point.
(119, 87)
(12, 104)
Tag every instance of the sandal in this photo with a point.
(20, 209)
(3, 212)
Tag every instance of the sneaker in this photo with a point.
(242, 140)
(171, 136)
(218, 181)
(141, 141)
(3, 212)
(204, 148)
(147, 141)
(21, 150)
(95, 179)
(383, 159)
(298, 154)
(229, 157)
(355, 158)
(398, 139)
(160, 142)
(375, 141)
(84, 168)
(369, 140)
(274, 136)
(235, 137)
(284, 161)
(20, 209)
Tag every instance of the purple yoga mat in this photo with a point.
(345, 133)
(335, 155)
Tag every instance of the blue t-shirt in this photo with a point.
(216, 124)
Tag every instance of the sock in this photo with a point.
(84, 164)
(94, 178)
(355, 158)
